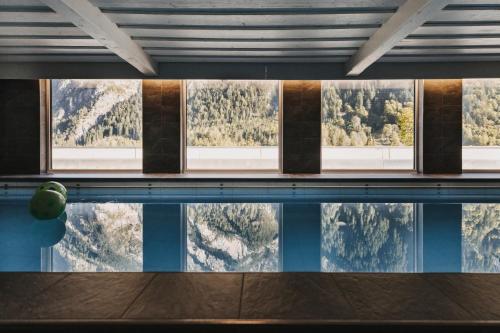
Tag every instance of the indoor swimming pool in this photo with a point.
(256, 230)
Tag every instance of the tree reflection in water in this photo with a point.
(481, 237)
(367, 237)
(101, 237)
(232, 237)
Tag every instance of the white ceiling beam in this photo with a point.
(410, 16)
(91, 20)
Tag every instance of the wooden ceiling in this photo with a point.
(148, 32)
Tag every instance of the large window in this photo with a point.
(96, 124)
(232, 125)
(481, 124)
(368, 125)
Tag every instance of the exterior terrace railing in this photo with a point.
(265, 158)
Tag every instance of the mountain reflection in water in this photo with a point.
(253, 237)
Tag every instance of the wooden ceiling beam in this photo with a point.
(91, 20)
(411, 15)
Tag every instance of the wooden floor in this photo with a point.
(250, 302)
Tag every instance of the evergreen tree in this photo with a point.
(367, 113)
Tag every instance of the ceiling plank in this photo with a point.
(251, 59)
(40, 31)
(466, 15)
(51, 50)
(59, 58)
(450, 42)
(411, 15)
(451, 30)
(443, 59)
(244, 21)
(245, 52)
(33, 42)
(91, 20)
(245, 3)
(25, 17)
(235, 34)
(264, 44)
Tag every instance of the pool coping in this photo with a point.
(251, 322)
(247, 325)
(256, 180)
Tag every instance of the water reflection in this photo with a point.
(100, 237)
(49, 232)
(232, 237)
(481, 237)
(255, 237)
(367, 237)
(22, 236)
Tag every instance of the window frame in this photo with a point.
(48, 155)
(184, 166)
(416, 136)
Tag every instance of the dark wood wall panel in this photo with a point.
(19, 127)
(442, 127)
(301, 127)
(162, 126)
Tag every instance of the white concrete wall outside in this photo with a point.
(481, 157)
(232, 158)
(367, 158)
(263, 158)
(97, 158)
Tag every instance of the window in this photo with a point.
(481, 124)
(368, 125)
(232, 125)
(96, 124)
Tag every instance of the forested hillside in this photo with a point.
(104, 113)
(367, 237)
(481, 112)
(367, 113)
(232, 237)
(232, 113)
(96, 113)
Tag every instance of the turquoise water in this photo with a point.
(256, 230)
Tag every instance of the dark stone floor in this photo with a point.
(250, 302)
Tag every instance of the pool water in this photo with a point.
(256, 230)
